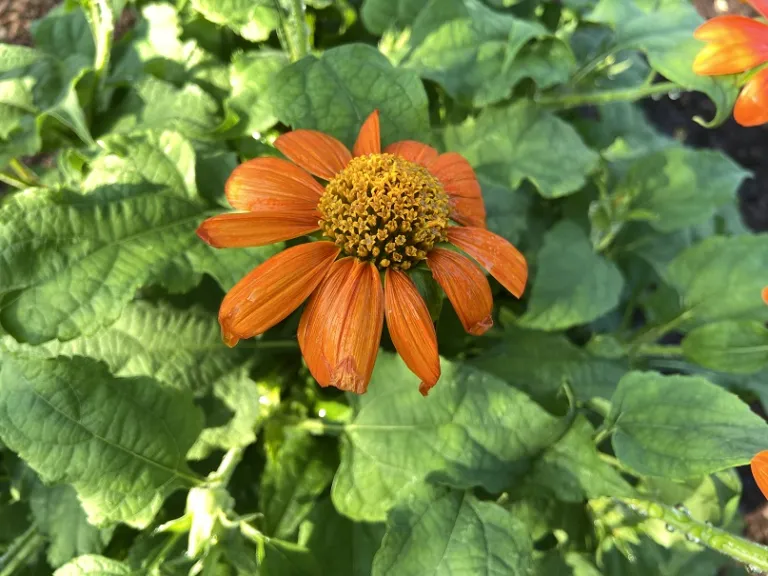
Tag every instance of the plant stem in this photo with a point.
(300, 37)
(13, 182)
(102, 28)
(653, 334)
(753, 555)
(565, 101)
(22, 548)
(227, 467)
(162, 554)
(24, 173)
(321, 427)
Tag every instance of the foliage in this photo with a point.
(133, 441)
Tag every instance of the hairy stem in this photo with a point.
(753, 555)
(24, 173)
(564, 101)
(20, 551)
(300, 32)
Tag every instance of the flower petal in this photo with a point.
(718, 59)
(466, 287)
(456, 175)
(764, 294)
(761, 6)
(411, 329)
(468, 211)
(340, 329)
(369, 138)
(751, 107)
(500, 258)
(317, 153)
(413, 151)
(759, 465)
(266, 184)
(270, 292)
(243, 229)
(732, 29)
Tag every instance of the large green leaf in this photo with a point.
(664, 32)
(283, 558)
(336, 92)
(573, 470)
(471, 50)
(739, 347)
(679, 427)
(94, 566)
(679, 187)
(540, 363)
(181, 348)
(522, 141)
(251, 74)
(59, 515)
(722, 278)
(438, 530)
(120, 442)
(295, 476)
(378, 15)
(573, 285)
(472, 430)
(254, 20)
(507, 210)
(342, 547)
(72, 261)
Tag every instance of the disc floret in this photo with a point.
(386, 210)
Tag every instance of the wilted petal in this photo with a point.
(466, 287)
(270, 292)
(751, 107)
(271, 184)
(245, 229)
(467, 211)
(317, 153)
(411, 329)
(759, 465)
(413, 151)
(500, 258)
(369, 138)
(456, 175)
(340, 329)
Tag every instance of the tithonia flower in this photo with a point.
(382, 213)
(765, 294)
(736, 44)
(759, 465)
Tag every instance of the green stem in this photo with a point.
(20, 551)
(162, 554)
(753, 555)
(24, 173)
(656, 332)
(300, 37)
(321, 427)
(13, 182)
(659, 350)
(227, 467)
(275, 344)
(565, 101)
(102, 28)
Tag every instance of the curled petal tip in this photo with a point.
(346, 377)
(481, 327)
(229, 338)
(425, 387)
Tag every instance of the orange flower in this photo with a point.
(383, 212)
(759, 465)
(765, 294)
(736, 44)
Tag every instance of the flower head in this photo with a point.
(382, 213)
(737, 44)
(759, 465)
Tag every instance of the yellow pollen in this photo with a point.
(386, 210)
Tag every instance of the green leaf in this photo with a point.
(229, 266)
(249, 401)
(120, 442)
(472, 430)
(679, 427)
(342, 547)
(573, 285)
(664, 32)
(293, 479)
(471, 50)
(65, 35)
(522, 141)
(254, 20)
(72, 261)
(539, 363)
(573, 471)
(336, 92)
(181, 348)
(680, 187)
(738, 347)
(722, 278)
(443, 531)
(378, 15)
(94, 566)
(506, 209)
(287, 559)
(58, 513)
(251, 74)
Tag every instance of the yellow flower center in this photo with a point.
(386, 210)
